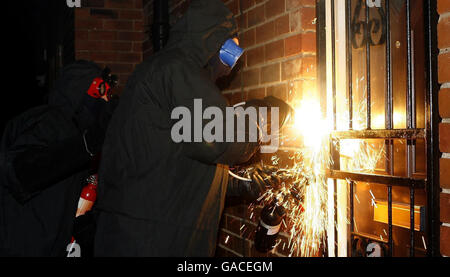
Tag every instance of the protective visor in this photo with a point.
(230, 53)
(99, 88)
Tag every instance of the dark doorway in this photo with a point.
(39, 40)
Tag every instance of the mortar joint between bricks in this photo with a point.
(264, 22)
(239, 218)
(267, 85)
(235, 235)
(444, 16)
(252, 7)
(444, 51)
(280, 37)
(281, 60)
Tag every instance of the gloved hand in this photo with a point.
(262, 179)
(247, 191)
(95, 133)
(285, 111)
(264, 175)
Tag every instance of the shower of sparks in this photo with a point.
(302, 188)
(374, 204)
(424, 244)
(226, 240)
(357, 199)
(361, 156)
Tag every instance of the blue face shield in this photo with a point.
(230, 53)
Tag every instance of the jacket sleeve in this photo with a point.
(31, 164)
(239, 153)
(188, 84)
(184, 86)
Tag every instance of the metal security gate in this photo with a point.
(381, 55)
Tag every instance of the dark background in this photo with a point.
(33, 32)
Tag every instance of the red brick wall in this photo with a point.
(444, 130)
(280, 42)
(111, 32)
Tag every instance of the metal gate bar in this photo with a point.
(411, 118)
(368, 74)
(334, 147)
(432, 128)
(411, 134)
(389, 123)
(378, 179)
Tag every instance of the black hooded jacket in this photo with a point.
(157, 197)
(43, 165)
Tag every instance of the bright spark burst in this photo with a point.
(303, 190)
(311, 125)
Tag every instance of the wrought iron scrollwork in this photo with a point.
(373, 32)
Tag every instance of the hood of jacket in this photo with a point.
(72, 85)
(202, 30)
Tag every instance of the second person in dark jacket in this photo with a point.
(45, 157)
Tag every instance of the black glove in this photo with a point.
(239, 153)
(249, 191)
(264, 175)
(285, 111)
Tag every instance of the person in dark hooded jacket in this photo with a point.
(157, 197)
(45, 156)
